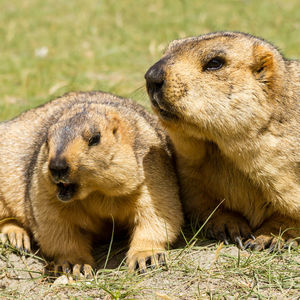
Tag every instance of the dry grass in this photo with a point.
(198, 270)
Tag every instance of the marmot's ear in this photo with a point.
(263, 66)
(114, 123)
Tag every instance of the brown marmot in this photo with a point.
(230, 103)
(70, 166)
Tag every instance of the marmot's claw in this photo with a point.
(16, 236)
(4, 239)
(246, 245)
(220, 236)
(49, 269)
(250, 245)
(228, 227)
(162, 259)
(149, 262)
(12, 239)
(260, 243)
(254, 245)
(20, 249)
(238, 241)
(58, 270)
(66, 268)
(87, 271)
(136, 266)
(276, 245)
(290, 243)
(82, 271)
(257, 247)
(78, 270)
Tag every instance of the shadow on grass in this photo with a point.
(115, 256)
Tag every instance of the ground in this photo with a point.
(197, 269)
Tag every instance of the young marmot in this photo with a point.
(230, 102)
(70, 166)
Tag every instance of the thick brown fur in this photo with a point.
(230, 103)
(69, 167)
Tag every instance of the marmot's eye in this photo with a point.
(94, 140)
(215, 63)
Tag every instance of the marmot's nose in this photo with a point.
(155, 76)
(59, 168)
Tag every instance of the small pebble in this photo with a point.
(62, 280)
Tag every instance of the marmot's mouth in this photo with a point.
(66, 191)
(164, 112)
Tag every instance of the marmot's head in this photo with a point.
(216, 85)
(89, 150)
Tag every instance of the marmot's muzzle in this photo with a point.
(155, 82)
(59, 169)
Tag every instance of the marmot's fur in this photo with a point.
(231, 104)
(70, 166)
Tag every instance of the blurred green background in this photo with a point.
(50, 47)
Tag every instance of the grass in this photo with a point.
(51, 47)
(205, 270)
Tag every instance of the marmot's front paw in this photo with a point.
(16, 236)
(275, 234)
(142, 260)
(77, 270)
(228, 226)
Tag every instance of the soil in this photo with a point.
(206, 270)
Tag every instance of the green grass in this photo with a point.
(109, 45)
(205, 270)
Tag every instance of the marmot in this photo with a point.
(69, 166)
(230, 103)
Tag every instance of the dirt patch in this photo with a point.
(203, 270)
